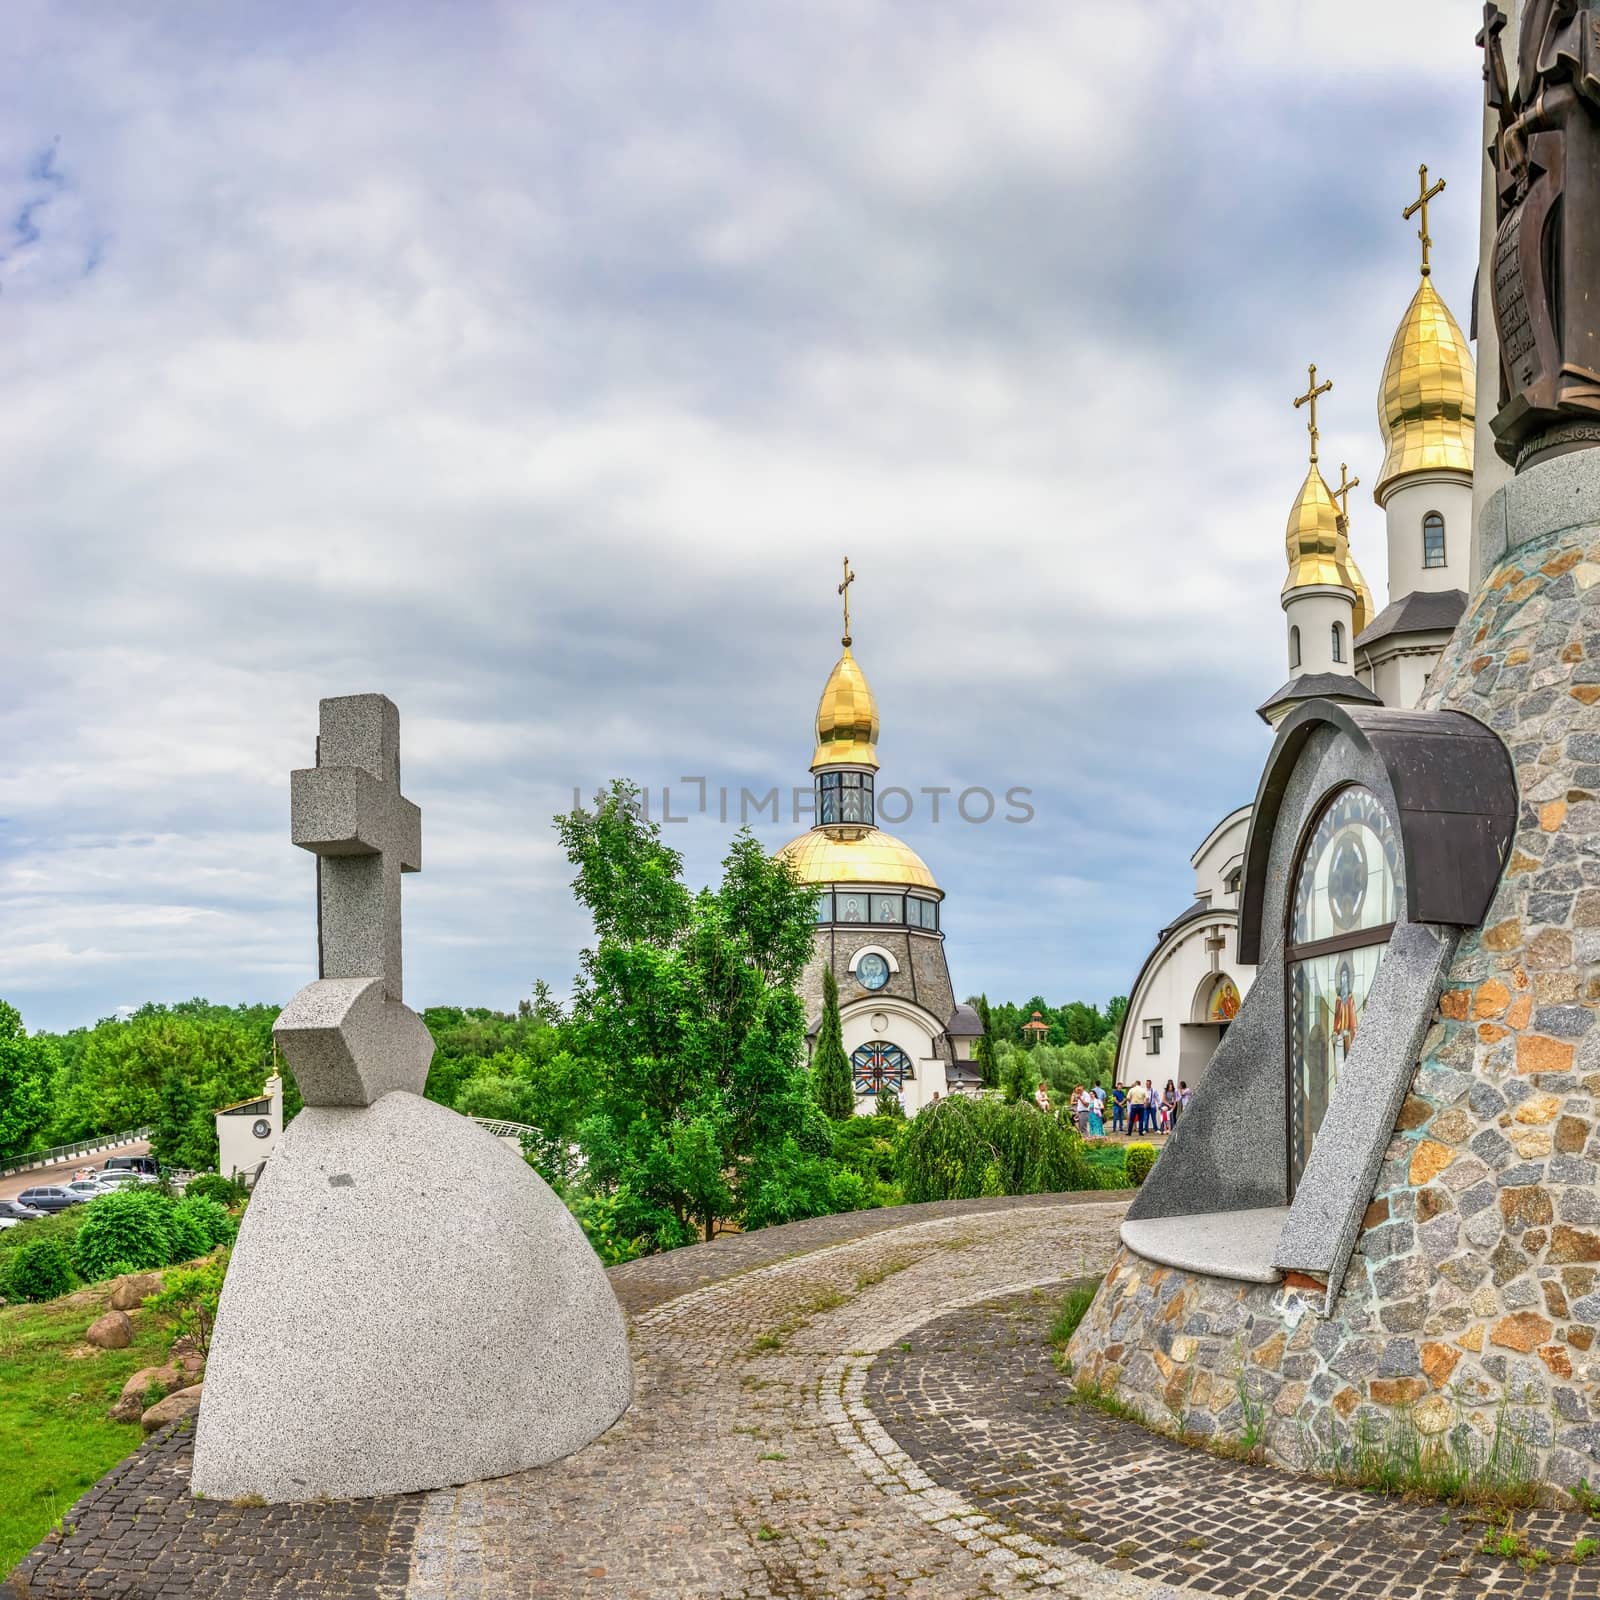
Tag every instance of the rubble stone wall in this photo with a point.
(1473, 1298)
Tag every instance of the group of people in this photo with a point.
(1135, 1107)
(1144, 1109)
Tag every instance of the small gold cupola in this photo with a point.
(847, 714)
(1315, 539)
(1427, 405)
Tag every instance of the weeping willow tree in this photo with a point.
(956, 1149)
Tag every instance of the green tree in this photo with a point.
(983, 1045)
(830, 1066)
(115, 1075)
(688, 1008)
(1017, 1073)
(27, 1074)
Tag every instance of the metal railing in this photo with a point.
(504, 1130)
(67, 1152)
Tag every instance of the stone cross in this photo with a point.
(349, 812)
(1424, 195)
(349, 1037)
(1310, 398)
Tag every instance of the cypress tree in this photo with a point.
(984, 1048)
(830, 1067)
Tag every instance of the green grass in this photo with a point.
(53, 1403)
(1109, 1164)
(1074, 1304)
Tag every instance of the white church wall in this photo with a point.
(1448, 493)
(1314, 612)
(1166, 1002)
(240, 1147)
(909, 1027)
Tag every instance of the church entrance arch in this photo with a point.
(1215, 1004)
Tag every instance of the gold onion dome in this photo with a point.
(1427, 405)
(873, 858)
(847, 719)
(1318, 549)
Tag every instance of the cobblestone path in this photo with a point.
(738, 1471)
(972, 1404)
(853, 1408)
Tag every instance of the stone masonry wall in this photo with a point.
(1474, 1293)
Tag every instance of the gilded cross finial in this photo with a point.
(844, 589)
(1424, 195)
(1342, 493)
(1310, 398)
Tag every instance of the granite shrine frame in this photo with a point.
(1227, 1204)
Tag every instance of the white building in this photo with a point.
(248, 1132)
(1337, 650)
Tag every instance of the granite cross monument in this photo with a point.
(408, 1304)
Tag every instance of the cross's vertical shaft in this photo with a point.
(348, 809)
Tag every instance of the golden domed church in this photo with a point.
(878, 915)
(1339, 646)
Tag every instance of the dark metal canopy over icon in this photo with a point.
(1455, 803)
(1546, 261)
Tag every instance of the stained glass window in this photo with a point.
(887, 908)
(844, 797)
(1347, 895)
(825, 906)
(878, 1066)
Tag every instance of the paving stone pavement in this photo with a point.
(873, 1416)
(972, 1404)
(737, 1473)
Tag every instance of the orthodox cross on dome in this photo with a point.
(1310, 398)
(1424, 195)
(844, 589)
(349, 812)
(1342, 493)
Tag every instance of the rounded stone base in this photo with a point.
(408, 1306)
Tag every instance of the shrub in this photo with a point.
(1138, 1160)
(127, 1231)
(866, 1145)
(204, 1223)
(598, 1216)
(40, 1270)
(790, 1183)
(192, 1293)
(213, 1186)
(958, 1148)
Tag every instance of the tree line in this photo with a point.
(670, 1097)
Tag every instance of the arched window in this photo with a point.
(1348, 892)
(1294, 648)
(1433, 540)
(1338, 641)
(878, 1066)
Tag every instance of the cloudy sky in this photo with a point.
(536, 364)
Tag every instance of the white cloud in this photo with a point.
(537, 365)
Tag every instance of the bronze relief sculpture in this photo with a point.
(1546, 263)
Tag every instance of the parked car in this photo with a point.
(91, 1188)
(123, 1178)
(51, 1197)
(15, 1211)
(145, 1165)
